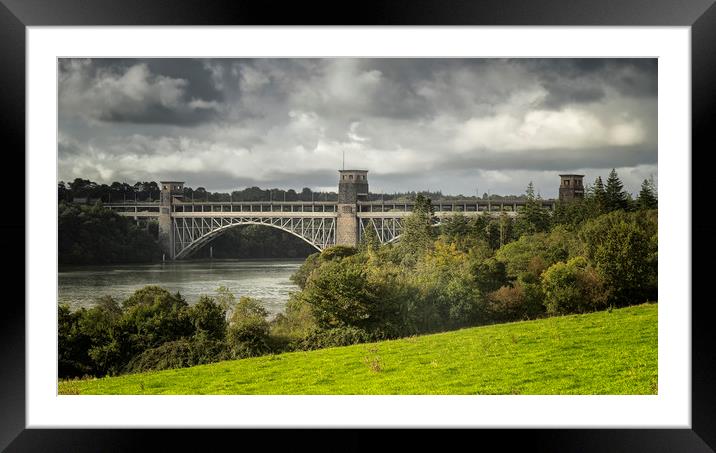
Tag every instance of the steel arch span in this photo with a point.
(190, 234)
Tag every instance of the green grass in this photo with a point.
(599, 353)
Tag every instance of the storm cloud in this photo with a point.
(456, 125)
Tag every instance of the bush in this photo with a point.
(340, 336)
(296, 322)
(340, 296)
(208, 318)
(248, 331)
(514, 303)
(153, 316)
(178, 354)
(573, 287)
(314, 261)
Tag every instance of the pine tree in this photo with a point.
(600, 195)
(532, 218)
(647, 196)
(615, 197)
(417, 232)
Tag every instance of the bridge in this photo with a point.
(185, 226)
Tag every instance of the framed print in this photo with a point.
(232, 109)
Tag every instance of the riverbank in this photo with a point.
(267, 280)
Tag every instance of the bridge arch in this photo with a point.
(203, 240)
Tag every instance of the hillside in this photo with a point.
(600, 353)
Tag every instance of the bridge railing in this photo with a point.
(454, 205)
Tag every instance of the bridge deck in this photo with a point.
(183, 208)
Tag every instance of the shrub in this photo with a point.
(248, 331)
(314, 261)
(296, 322)
(153, 316)
(339, 336)
(339, 296)
(573, 287)
(513, 303)
(208, 318)
(178, 354)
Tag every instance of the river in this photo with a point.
(266, 280)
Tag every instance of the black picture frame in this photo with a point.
(700, 15)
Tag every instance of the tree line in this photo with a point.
(90, 191)
(91, 234)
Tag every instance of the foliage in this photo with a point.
(248, 332)
(178, 354)
(369, 241)
(614, 196)
(340, 296)
(647, 196)
(295, 323)
(150, 329)
(96, 235)
(446, 294)
(534, 253)
(337, 336)
(208, 318)
(532, 218)
(623, 248)
(518, 302)
(573, 287)
(417, 233)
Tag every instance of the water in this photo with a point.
(266, 280)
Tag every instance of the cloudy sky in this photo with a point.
(456, 125)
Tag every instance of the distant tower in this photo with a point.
(571, 187)
(169, 190)
(352, 188)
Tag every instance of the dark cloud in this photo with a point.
(134, 92)
(228, 123)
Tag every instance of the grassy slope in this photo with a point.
(599, 353)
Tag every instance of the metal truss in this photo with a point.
(190, 233)
(388, 229)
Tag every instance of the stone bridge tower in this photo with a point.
(571, 187)
(352, 187)
(169, 190)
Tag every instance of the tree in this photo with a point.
(506, 228)
(417, 235)
(208, 318)
(647, 195)
(532, 218)
(622, 247)
(455, 226)
(600, 194)
(248, 332)
(573, 287)
(615, 197)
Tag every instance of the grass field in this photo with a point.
(601, 353)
